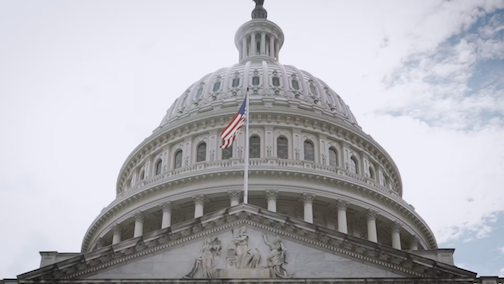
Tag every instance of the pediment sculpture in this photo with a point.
(208, 258)
(241, 260)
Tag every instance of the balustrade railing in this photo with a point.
(253, 163)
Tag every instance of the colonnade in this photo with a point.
(272, 196)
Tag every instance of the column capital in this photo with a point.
(396, 226)
(234, 194)
(166, 206)
(116, 228)
(308, 198)
(371, 215)
(271, 194)
(341, 204)
(199, 198)
(138, 216)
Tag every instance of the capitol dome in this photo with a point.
(309, 159)
(306, 149)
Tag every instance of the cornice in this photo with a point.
(186, 176)
(245, 214)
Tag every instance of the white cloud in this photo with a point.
(501, 249)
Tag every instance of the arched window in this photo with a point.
(276, 81)
(216, 86)
(371, 173)
(255, 147)
(313, 90)
(295, 84)
(227, 153)
(199, 93)
(255, 80)
(201, 152)
(333, 157)
(159, 165)
(309, 151)
(236, 82)
(142, 175)
(178, 159)
(353, 165)
(282, 148)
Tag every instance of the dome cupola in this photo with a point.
(259, 39)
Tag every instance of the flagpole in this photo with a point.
(245, 174)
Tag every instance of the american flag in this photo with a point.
(229, 133)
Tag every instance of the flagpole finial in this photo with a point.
(259, 12)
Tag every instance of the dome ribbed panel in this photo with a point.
(266, 70)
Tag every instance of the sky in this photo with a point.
(82, 83)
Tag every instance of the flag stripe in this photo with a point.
(229, 133)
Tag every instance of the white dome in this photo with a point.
(266, 79)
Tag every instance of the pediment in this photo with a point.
(245, 241)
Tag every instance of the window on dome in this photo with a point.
(142, 175)
(178, 159)
(199, 93)
(309, 151)
(282, 148)
(255, 80)
(371, 173)
(276, 81)
(313, 90)
(216, 86)
(236, 82)
(258, 47)
(255, 147)
(353, 165)
(295, 84)
(159, 165)
(227, 153)
(201, 152)
(333, 157)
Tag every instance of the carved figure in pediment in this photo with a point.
(241, 242)
(277, 258)
(208, 259)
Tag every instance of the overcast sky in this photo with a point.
(84, 82)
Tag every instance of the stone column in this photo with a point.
(414, 243)
(308, 206)
(253, 45)
(234, 196)
(277, 49)
(271, 195)
(167, 210)
(371, 225)
(139, 219)
(199, 200)
(272, 47)
(117, 234)
(244, 48)
(396, 235)
(263, 43)
(342, 218)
